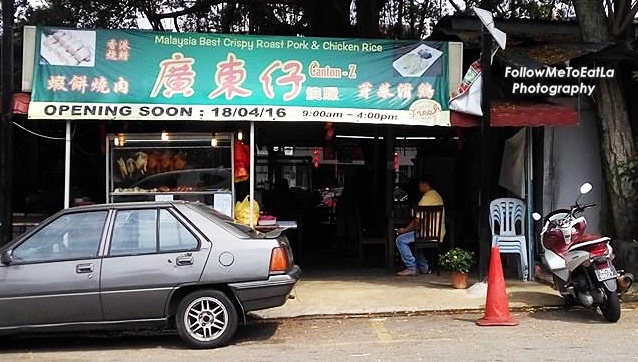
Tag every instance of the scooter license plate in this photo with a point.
(606, 273)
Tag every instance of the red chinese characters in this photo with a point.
(57, 83)
(384, 91)
(82, 84)
(425, 90)
(176, 76)
(111, 50)
(79, 83)
(123, 50)
(365, 89)
(229, 77)
(404, 91)
(100, 85)
(121, 86)
(118, 50)
(293, 77)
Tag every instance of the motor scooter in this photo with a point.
(581, 264)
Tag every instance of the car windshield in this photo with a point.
(209, 211)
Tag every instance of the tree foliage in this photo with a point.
(339, 18)
(78, 13)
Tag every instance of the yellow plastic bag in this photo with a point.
(242, 211)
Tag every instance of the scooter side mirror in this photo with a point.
(536, 216)
(585, 188)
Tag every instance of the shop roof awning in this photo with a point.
(521, 115)
(535, 56)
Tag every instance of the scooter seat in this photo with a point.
(592, 237)
(586, 240)
(589, 237)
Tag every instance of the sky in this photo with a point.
(142, 22)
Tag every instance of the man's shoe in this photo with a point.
(425, 271)
(406, 273)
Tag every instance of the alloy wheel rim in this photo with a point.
(206, 318)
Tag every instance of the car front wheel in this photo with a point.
(206, 319)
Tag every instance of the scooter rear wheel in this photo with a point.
(611, 308)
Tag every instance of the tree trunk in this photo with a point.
(617, 148)
(368, 18)
(613, 121)
(228, 15)
(592, 20)
(398, 27)
(328, 18)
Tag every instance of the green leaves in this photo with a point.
(457, 259)
(629, 170)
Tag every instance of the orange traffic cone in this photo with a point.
(497, 311)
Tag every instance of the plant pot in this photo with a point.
(459, 280)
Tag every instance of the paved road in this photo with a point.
(572, 335)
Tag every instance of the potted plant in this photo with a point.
(458, 261)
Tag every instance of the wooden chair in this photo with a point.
(376, 238)
(428, 233)
(372, 241)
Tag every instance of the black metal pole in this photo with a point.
(389, 186)
(389, 171)
(486, 163)
(6, 125)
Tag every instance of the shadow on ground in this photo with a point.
(381, 277)
(570, 315)
(93, 341)
(535, 298)
(123, 340)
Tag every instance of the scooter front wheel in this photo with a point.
(611, 307)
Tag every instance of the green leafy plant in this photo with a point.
(457, 259)
(629, 171)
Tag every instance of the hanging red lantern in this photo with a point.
(330, 131)
(460, 140)
(242, 161)
(315, 157)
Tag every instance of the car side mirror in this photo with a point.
(536, 216)
(7, 257)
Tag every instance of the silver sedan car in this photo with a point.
(134, 265)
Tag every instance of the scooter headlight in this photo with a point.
(563, 223)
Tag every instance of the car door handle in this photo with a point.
(84, 268)
(184, 260)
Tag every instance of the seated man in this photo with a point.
(430, 198)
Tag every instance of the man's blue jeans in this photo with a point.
(408, 259)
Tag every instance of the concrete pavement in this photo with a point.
(370, 291)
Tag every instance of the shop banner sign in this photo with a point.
(145, 75)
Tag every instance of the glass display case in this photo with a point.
(177, 166)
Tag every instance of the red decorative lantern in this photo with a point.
(316, 157)
(242, 161)
(330, 131)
